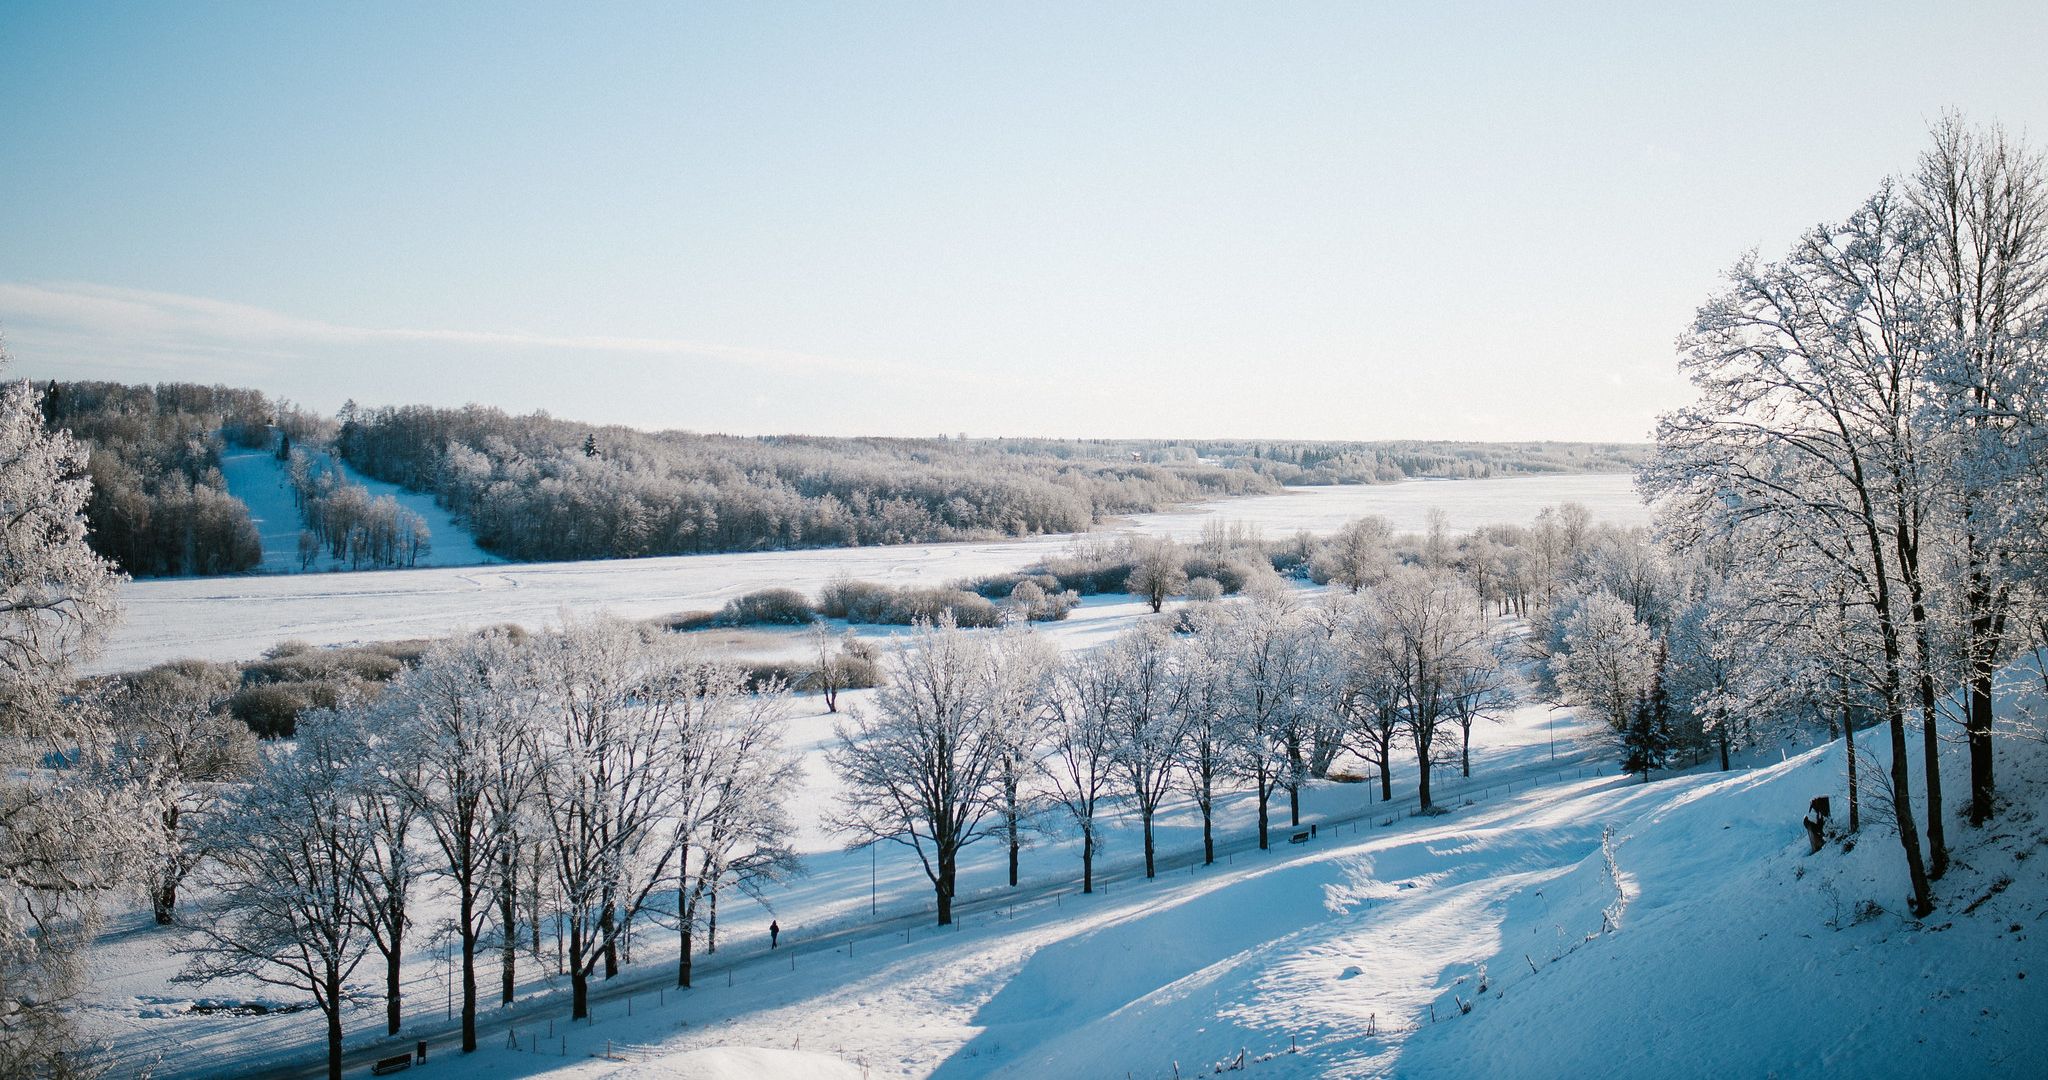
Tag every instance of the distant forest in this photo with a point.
(159, 505)
(534, 487)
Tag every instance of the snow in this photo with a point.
(1717, 946)
(258, 479)
(237, 618)
(741, 1063)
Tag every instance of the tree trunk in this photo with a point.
(1208, 829)
(333, 1009)
(1722, 731)
(683, 961)
(1422, 780)
(944, 886)
(579, 974)
(607, 928)
(1902, 809)
(1294, 805)
(711, 923)
(165, 898)
(1982, 782)
(1386, 776)
(1014, 846)
(1264, 794)
(393, 993)
(508, 918)
(1088, 860)
(468, 975)
(1145, 815)
(1930, 750)
(1465, 751)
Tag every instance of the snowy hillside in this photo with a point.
(259, 480)
(1351, 955)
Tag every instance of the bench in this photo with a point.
(392, 1064)
(1299, 838)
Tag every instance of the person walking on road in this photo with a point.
(774, 933)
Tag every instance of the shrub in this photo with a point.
(272, 709)
(843, 598)
(773, 607)
(687, 620)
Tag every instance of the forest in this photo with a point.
(159, 505)
(537, 488)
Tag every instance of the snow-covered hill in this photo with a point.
(1595, 925)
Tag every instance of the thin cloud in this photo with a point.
(172, 323)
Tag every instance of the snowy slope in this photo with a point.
(1717, 947)
(258, 479)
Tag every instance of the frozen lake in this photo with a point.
(236, 618)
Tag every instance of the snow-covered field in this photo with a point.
(237, 618)
(258, 479)
(1712, 945)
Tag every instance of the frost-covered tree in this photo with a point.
(1148, 722)
(1267, 686)
(380, 801)
(1608, 659)
(288, 904)
(1812, 374)
(1359, 555)
(64, 840)
(176, 744)
(460, 716)
(731, 817)
(920, 764)
(1367, 689)
(1018, 680)
(1207, 736)
(1477, 688)
(1982, 199)
(1082, 767)
(1440, 635)
(1158, 571)
(610, 761)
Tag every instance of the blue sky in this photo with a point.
(1289, 220)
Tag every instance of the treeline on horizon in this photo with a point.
(538, 488)
(533, 487)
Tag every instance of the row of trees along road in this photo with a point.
(593, 770)
(971, 735)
